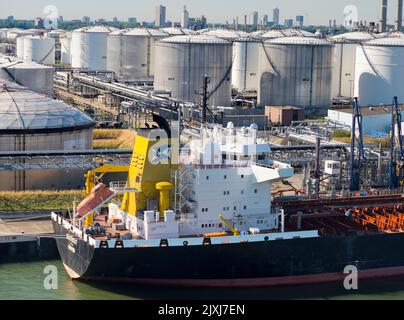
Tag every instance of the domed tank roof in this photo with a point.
(141, 32)
(277, 33)
(300, 41)
(22, 110)
(353, 37)
(394, 41)
(226, 34)
(177, 31)
(96, 29)
(198, 39)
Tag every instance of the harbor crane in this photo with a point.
(396, 164)
(357, 149)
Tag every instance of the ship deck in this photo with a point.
(374, 214)
(331, 217)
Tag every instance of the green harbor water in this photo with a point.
(23, 281)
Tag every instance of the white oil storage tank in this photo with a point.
(296, 71)
(65, 48)
(30, 122)
(343, 75)
(34, 76)
(380, 71)
(245, 64)
(131, 53)
(182, 61)
(38, 49)
(89, 47)
(19, 50)
(3, 34)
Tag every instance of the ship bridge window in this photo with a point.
(261, 157)
(245, 207)
(207, 177)
(242, 176)
(255, 191)
(225, 177)
(205, 209)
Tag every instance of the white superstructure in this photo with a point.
(225, 179)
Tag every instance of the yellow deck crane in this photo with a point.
(91, 177)
(235, 231)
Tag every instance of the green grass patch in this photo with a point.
(39, 200)
(341, 134)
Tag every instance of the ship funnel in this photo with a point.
(399, 19)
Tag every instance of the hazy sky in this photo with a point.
(316, 11)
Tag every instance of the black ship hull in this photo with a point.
(279, 262)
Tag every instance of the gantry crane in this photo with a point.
(396, 164)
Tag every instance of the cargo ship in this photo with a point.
(201, 213)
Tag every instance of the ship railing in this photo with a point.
(121, 187)
(220, 166)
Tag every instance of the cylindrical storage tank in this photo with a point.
(30, 121)
(19, 51)
(34, 76)
(182, 61)
(296, 71)
(56, 34)
(379, 72)
(131, 53)
(3, 34)
(14, 34)
(245, 64)
(65, 49)
(89, 47)
(39, 49)
(343, 78)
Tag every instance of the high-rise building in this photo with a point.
(39, 22)
(86, 19)
(10, 18)
(132, 20)
(299, 21)
(276, 17)
(255, 18)
(160, 16)
(264, 20)
(60, 19)
(288, 23)
(185, 18)
(115, 19)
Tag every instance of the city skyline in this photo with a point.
(314, 11)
